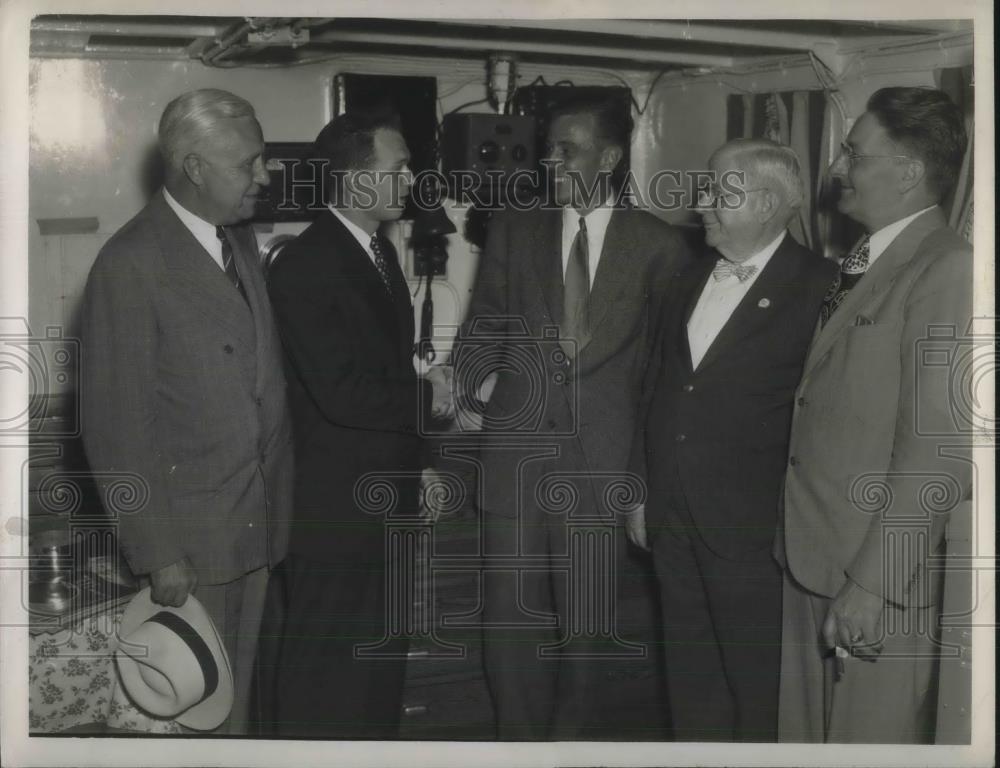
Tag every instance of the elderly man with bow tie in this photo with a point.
(713, 439)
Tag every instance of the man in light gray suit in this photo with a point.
(877, 461)
(182, 382)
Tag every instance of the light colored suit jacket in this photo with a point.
(875, 462)
(182, 385)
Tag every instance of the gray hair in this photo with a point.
(193, 117)
(770, 165)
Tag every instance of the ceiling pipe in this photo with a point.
(662, 56)
(674, 31)
(128, 28)
(227, 41)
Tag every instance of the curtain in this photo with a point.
(801, 120)
(959, 84)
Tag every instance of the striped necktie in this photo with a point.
(576, 291)
(229, 263)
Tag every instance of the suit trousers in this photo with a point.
(722, 630)
(323, 685)
(541, 687)
(889, 701)
(236, 609)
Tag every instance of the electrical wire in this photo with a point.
(468, 104)
(457, 88)
(649, 93)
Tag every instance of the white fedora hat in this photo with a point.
(173, 662)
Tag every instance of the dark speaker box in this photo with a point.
(481, 143)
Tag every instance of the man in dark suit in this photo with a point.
(713, 442)
(182, 382)
(345, 316)
(569, 287)
(878, 460)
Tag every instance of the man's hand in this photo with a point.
(443, 403)
(172, 584)
(635, 526)
(430, 510)
(854, 622)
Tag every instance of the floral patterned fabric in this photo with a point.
(73, 681)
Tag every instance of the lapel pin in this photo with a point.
(764, 303)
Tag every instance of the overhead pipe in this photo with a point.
(671, 31)
(226, 42)
(417, 39)
(128, 28)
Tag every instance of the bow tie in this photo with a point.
(724, 268)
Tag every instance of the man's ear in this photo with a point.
(610, 157)
(767, 206)
(914, 172)
(193, 169)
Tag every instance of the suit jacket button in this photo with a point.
(689, 387)
(228, 349)
(801, 401)
(681, 438)
(792, 460)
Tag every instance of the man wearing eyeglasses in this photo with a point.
(182, 383)
(713, 440)
(876, 464)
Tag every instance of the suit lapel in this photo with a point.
(546, 247)
(758, 305)
(700, 273)
(198, 277)
(613, 269)
(400, 300)
(700, 276)
(875, 281)
(356, 265)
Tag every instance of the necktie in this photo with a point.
(576, 290)
(724, 268)
(229, 263)
(852, 270)
(381, 263)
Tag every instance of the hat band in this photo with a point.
(198, 647)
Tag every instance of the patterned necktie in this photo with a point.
(229, 263)
(852, 270)
(724, 268)
(381, 263)
(576, 291)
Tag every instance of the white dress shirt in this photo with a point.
(597, 227)
(882, 239)
(718, 301)
(363, 238)
(203, 231)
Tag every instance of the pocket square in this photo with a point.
(862, 320)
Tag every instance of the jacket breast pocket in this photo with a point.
(869, 370)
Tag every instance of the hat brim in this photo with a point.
(211, 712)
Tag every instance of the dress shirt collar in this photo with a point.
(203, 231)
(360, 235)
(597, 220)
(882, 239)
(764, 255)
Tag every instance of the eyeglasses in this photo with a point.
(853, 157)
(710, 195)
(247, 166)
